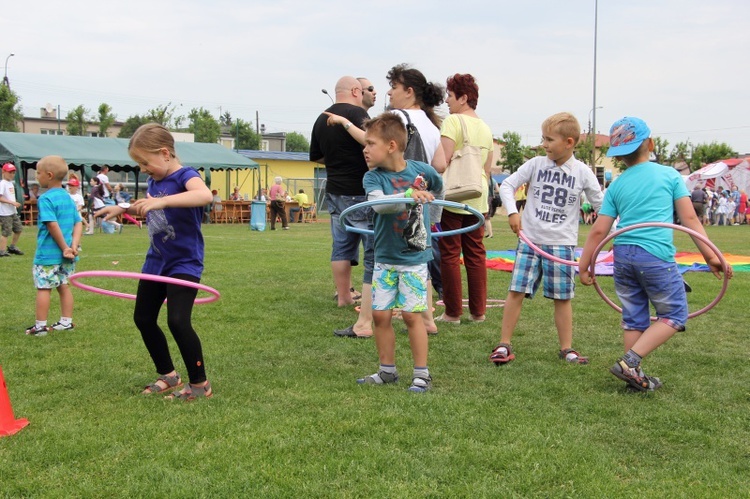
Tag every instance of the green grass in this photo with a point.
(288, 419)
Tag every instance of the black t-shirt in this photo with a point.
(343, 157)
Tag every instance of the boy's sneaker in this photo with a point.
(14, 251)
(59, 326)
(4, 253)
(570, 355)
(502, 354)
(36, 331)
(379, 378)
(420, 385)
(633, 376)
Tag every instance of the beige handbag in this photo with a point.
(462, 179)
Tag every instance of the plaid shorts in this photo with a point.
(52, 276)
(400, 286)
(531, 269)
(10, 223)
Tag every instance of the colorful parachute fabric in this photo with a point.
(687, 262)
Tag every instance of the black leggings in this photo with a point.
(180, 301)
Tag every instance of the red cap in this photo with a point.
(74, 182)
(9, 167)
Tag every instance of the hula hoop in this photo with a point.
(554, 258)
(439, 202)
(145, 277)
(724, 264)
(491, 303)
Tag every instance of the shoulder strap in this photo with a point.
(408, 120)
(464, 130)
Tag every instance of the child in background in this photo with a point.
(402, 246)
(75, 194)
(56, 249)
(10, 222)
(645, 268)
(550, 220)
(173, 209)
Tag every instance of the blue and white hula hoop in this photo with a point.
(439, 202)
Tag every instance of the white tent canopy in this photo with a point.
(722, 176)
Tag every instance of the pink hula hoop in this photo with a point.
(554, 258)
(724, 264)
(146, 277)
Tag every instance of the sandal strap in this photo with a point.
(172, 381)
(192, 392)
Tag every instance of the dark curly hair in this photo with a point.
(464, 85)
(428, 95)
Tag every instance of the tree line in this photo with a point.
(199, 121)
(695, 156)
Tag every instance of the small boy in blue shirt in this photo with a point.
(645, 267)
(402, 245)
(58, 238)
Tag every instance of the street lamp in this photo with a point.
(5, 78)
(593, 106)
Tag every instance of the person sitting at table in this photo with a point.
(303, 204)
(262, 195)
(236, 196)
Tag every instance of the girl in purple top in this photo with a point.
(173, 209)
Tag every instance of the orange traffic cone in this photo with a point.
(8, 424)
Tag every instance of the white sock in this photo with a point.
(66, 321)
(41, 324)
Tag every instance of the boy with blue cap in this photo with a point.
(645, 267)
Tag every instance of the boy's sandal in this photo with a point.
(192, 392)
(498, 357)
(172, 382)
(577, 359)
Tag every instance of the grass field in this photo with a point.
(288, 419)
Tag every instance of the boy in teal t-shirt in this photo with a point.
(402, 245)
(58, 238)
(645, 268)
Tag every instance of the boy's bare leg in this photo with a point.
(42, 304)
(652, 338)
(342, 276)
(427, 316)
(385, 336)
(364, 320)
(417, 337)
(564, 323)
(66, 300)
(511, 313)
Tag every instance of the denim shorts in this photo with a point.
(640, 279)
(346, 244)
(400, 286)
(52, 276)
(532, 269)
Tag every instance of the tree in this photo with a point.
(78, 121)
(710, 153)
(681, 152)
(106, 119)
(512, 154)
(245, 133)
(225, 119)
(161, 114)
(660, 150)
(296, 142)
(10, 110)
(203, 125)
(131, 125)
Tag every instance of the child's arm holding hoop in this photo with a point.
(197, 194)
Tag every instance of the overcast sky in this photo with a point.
(681, 65)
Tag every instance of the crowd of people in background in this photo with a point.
(717, 206)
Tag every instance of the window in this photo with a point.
(51, 131)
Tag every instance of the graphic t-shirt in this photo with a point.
(175, 233)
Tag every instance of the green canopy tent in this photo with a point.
(89, 154)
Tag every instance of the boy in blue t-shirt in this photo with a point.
(58, 238)
(402, 245)
(645, 267)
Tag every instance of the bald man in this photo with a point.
(369, 94)
(335, 147)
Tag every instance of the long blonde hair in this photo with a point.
(152, 137)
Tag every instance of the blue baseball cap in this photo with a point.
(626, 135)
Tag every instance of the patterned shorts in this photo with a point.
(399, 286)
(532, 269)
(10, 224)
(52, 276)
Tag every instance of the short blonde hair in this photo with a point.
(54, 164)
(565, 124)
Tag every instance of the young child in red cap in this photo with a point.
(10, 222)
